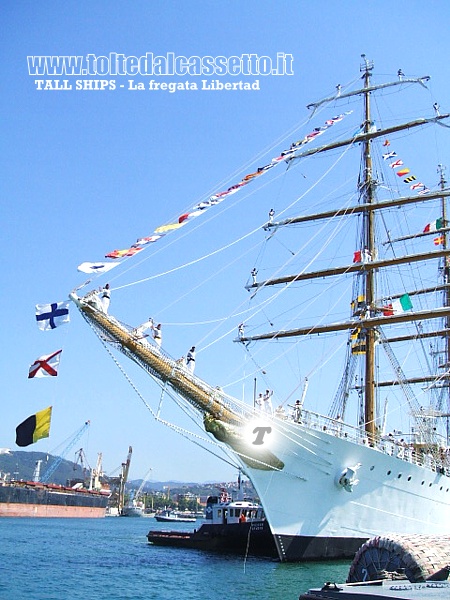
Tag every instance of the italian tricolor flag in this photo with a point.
(434, 226)
(398, 306)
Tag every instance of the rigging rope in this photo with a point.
(189, 435)
(183, 432)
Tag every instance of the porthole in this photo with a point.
(409, 478)
(399, 475)
(423, 482)
(388, 472)
(372, 468)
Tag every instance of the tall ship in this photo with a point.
(358, 446)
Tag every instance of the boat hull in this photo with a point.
(313, 517)
(132, 512)
(387, 589)
(50, 501)
(168, 519)
(296, 548)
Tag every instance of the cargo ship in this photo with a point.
(40, 498)
(34, 499)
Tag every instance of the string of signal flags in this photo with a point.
(37, 426)
(202, 207)
(50, 316)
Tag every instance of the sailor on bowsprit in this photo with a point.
(190, 359)
(139, 332)
(268, 402)
(259, 403)
(157, 335)
(297, 412)
(106, 298)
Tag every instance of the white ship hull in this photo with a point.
(313, 517)
(132, 511)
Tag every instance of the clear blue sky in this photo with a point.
(86, 172)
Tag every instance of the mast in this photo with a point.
(368, 194)
(446, 278)
(446, 269)
(366, 270)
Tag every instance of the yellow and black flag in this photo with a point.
(34, 428)
(358, 341)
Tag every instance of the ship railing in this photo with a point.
(386, 444)
(329, 425)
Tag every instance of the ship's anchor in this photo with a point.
(347, 478)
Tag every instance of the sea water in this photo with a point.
(96, 559)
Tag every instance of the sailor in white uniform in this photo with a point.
(139, 332)
(190, 359)
(157, 336)
(106, 298)
(268, 402)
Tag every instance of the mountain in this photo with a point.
(21, 465)
(198, 489)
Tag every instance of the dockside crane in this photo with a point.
(96, 474)
(135, 496)
(123, 480)
(52, 468)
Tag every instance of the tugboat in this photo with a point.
(233, 526)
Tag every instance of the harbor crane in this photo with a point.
(123, 479)
(52, 468)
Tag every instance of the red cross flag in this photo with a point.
(45, 366)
